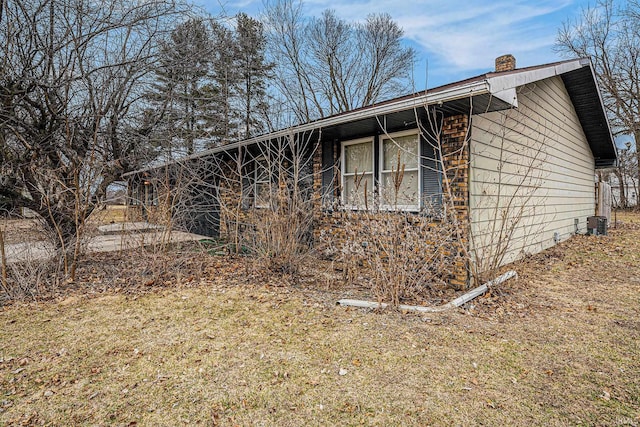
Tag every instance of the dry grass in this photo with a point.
(560, 346)
(18, 230)
(108, 214)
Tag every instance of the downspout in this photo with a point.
(461, 300)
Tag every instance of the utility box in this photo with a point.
(597, 225)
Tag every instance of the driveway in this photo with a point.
(112, 237)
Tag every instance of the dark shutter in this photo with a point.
(247, 186)
(431, 177)
(328, 172)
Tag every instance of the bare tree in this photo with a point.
(628, 164)
(72, 73)
(265, 200)
(288, 49)
(626, 181)
(609, 34)
(327, 65)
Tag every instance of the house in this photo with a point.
(512, 154)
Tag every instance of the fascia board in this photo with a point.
(503, 82)
(510, 96)
(450, 94)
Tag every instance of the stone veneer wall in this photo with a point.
(455, 148)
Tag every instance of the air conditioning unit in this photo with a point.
(597, 225)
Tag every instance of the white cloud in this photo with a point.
(458, 37)
(465, 35)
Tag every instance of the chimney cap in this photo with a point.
(505, 63)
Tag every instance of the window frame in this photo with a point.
(150, 193)
(262, 160)
(343, 144)
(135, 190)
(390, 136)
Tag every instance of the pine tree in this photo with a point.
(180, 97)
(224, 115)
(211, 85)
(254, 73)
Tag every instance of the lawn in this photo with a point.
(209, 341)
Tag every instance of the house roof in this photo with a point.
(483, 93)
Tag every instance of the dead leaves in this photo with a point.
(286, 343)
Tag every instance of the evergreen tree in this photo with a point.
(211, 85)
(224, 114)
(180, 96)
(254, 73)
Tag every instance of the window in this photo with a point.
(400, 171)
(357, 173)
(397, 176)
(262, 183)
(150, 193)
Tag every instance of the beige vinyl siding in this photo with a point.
(531, 174)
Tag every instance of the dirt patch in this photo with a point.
(108, 214)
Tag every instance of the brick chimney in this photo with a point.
(505, 63)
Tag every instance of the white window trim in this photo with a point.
(258, 161)
(382, 138)
(343, 144)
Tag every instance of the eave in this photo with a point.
(484, 93)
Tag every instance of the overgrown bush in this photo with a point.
(265, 202)
(279, 235)
(406, 255)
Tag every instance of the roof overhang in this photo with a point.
(583, 90)
(508, 82)
(580, 81)
(472, 95)
(485, 93)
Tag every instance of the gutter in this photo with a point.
(429, 98)
(500, 85)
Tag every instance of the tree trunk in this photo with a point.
(63, 224)
(623, 196)
(636, 137)
(3, 259)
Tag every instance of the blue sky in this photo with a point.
(454, 39)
